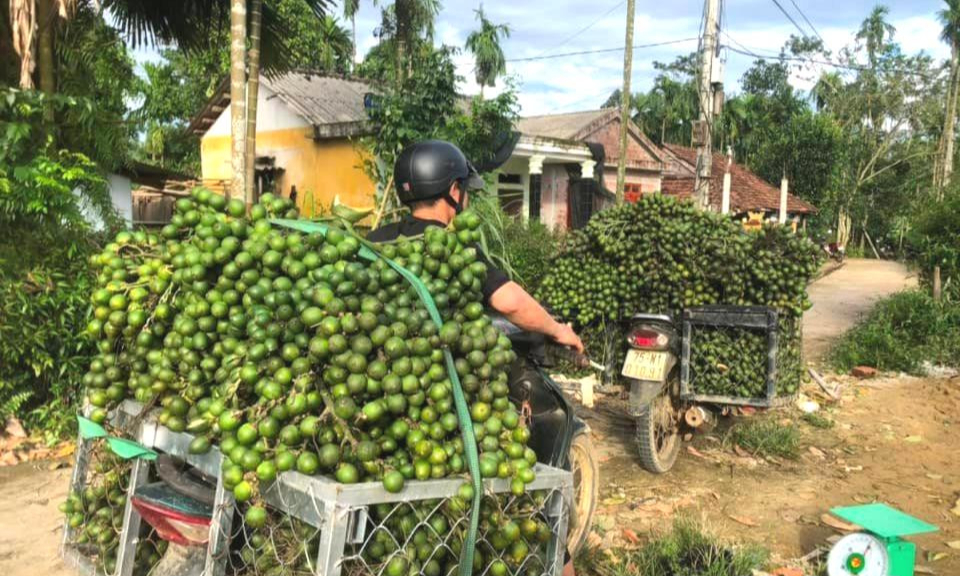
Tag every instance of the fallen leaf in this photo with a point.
(936, 556)
(935, 476)
(921, 569)
(740, 451)
(630, 536)
(817, 452)
(914, 439)
(56, 465)
(743, 520)
(955, 544)
(615, 501)
(65, 449)
(853, 468)
(835, 522)
(694, 452)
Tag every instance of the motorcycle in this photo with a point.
(179, 508)
(834, 251)
(652, 372)
(558, 436)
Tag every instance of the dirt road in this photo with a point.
(843, 296)
(893, 441)
(30, 524)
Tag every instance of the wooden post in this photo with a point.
(625, 103)
(937, 286)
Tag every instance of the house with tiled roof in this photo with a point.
(564, 166)
(306, 126)
(748, 192)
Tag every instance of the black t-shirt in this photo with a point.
(410, 226)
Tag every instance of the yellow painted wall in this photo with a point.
(321, 170)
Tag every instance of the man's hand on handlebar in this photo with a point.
(564, 335)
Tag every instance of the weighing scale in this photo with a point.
(879, 550)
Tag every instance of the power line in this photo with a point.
(588, 26)
(856, 67)
(790, 18)
(599, 51)
(807, 20)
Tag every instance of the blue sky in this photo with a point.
(584, 82)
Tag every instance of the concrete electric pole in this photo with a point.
(625, 103)
(702, 134)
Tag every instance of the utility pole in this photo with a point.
(702, 132)
(625, 103)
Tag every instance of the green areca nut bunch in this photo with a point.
(662, 255)
(96, 515)
(292, 351)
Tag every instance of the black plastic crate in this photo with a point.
(743, 355)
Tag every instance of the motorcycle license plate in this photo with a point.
(644, 365)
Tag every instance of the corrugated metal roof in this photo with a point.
(562, 126)
(748, 192)
(321, 99)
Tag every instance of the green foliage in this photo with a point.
(934, 240)
(425, 105)
(818, 421)
(45, 286)
(39, 184)
(686, 550)
(767, 437)
(45, 195)
(532, 247)
(901, 333)
(94, 64)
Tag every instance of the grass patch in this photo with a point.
(767, 437)
(818, 421)
(901, 333)
(686, 550)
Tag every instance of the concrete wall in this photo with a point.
(642, 166)
(649, 181)
(321, 170)
(272, 114)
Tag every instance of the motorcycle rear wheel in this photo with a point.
(586, 482)
(658, 435)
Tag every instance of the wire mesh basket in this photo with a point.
(316, 526)
(745, 355)
(98, 519)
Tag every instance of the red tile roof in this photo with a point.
(748, 192)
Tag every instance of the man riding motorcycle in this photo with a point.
(433, 178)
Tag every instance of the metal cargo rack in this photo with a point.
(763, 319)
(339, 513)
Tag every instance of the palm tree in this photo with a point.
(950, 18)
(875, 32)
(336, 45)
(485, 46)
(350, 9)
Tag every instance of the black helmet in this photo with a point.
(426, 170)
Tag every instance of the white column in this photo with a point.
(783, 201)
(586, 169)
(725, 200)
(525, 176)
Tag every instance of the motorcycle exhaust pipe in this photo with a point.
(699, 418)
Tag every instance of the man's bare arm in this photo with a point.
(522, 309)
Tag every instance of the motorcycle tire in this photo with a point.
(658, 435)
(586, 483)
